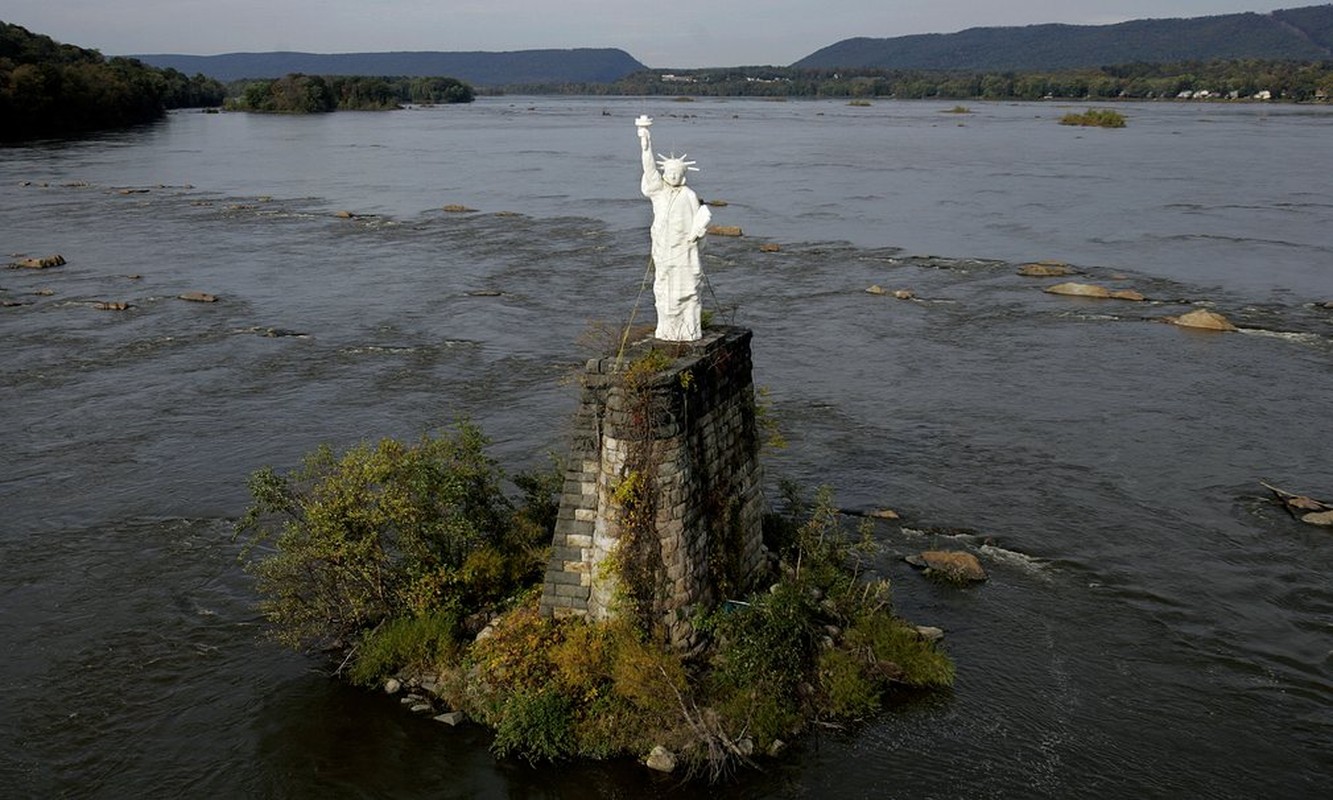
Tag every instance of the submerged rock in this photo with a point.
(1203, 319)
(45, 262)
(111, 305)
(1079, 290)
(1324, 518)
(199, 297)
(725, 230)
(455, 208)
(953, 565)
(770, 247)
(1045, 269)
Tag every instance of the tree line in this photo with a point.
(53, 89)
(310, 94)
(1284, 80)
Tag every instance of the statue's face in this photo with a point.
(674, 174)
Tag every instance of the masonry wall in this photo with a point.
(688, 432)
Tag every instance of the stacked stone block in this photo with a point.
(699, 440)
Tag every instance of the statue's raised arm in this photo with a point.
(651, 178)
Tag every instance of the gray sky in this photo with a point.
(678, 33)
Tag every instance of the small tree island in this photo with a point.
(312, 94)
(409, 564)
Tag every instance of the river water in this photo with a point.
(1153, 626)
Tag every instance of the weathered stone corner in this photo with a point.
(686, 434)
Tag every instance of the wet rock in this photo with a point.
(44, 292)
(715, 203)
(1324, 518)
(661, 759)
(1045, 269)
(725, 230)
(7, 303)
(952, 565)
(1327, 304)
(422, 708)
(770, 247)
(929, 633)
(1303, 503)
(745, 747)
(345, 215)
(876, 289)
(1128, 294)
(199, 297)
(392, 686)
(884, 513)
(451, 718)
(1203, 319)
(904, 294)
(775, 749)
(133, 191)
(455, 208)
(1079, 290)
(111, 305)
(486, 293)
(44, 262)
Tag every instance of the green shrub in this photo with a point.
(382, 531)
(405, 643)
(850, 692)
(536, 726)
(1094, 117)
(898, 652)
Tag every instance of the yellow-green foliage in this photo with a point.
(645, 366)
(413, 643)
(895, 649)
(618, 690)
(1093, 117)
(383, 531)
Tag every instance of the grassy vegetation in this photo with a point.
(1095, 117)
(397, 555)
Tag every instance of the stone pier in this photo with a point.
(662, 508)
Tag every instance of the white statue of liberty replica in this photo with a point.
(679, 225)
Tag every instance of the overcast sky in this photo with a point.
(679, 33)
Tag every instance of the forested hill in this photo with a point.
(52, 89)
(1291, 34)
(585, 65)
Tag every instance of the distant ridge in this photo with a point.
(584, 65)
(1293, 34)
